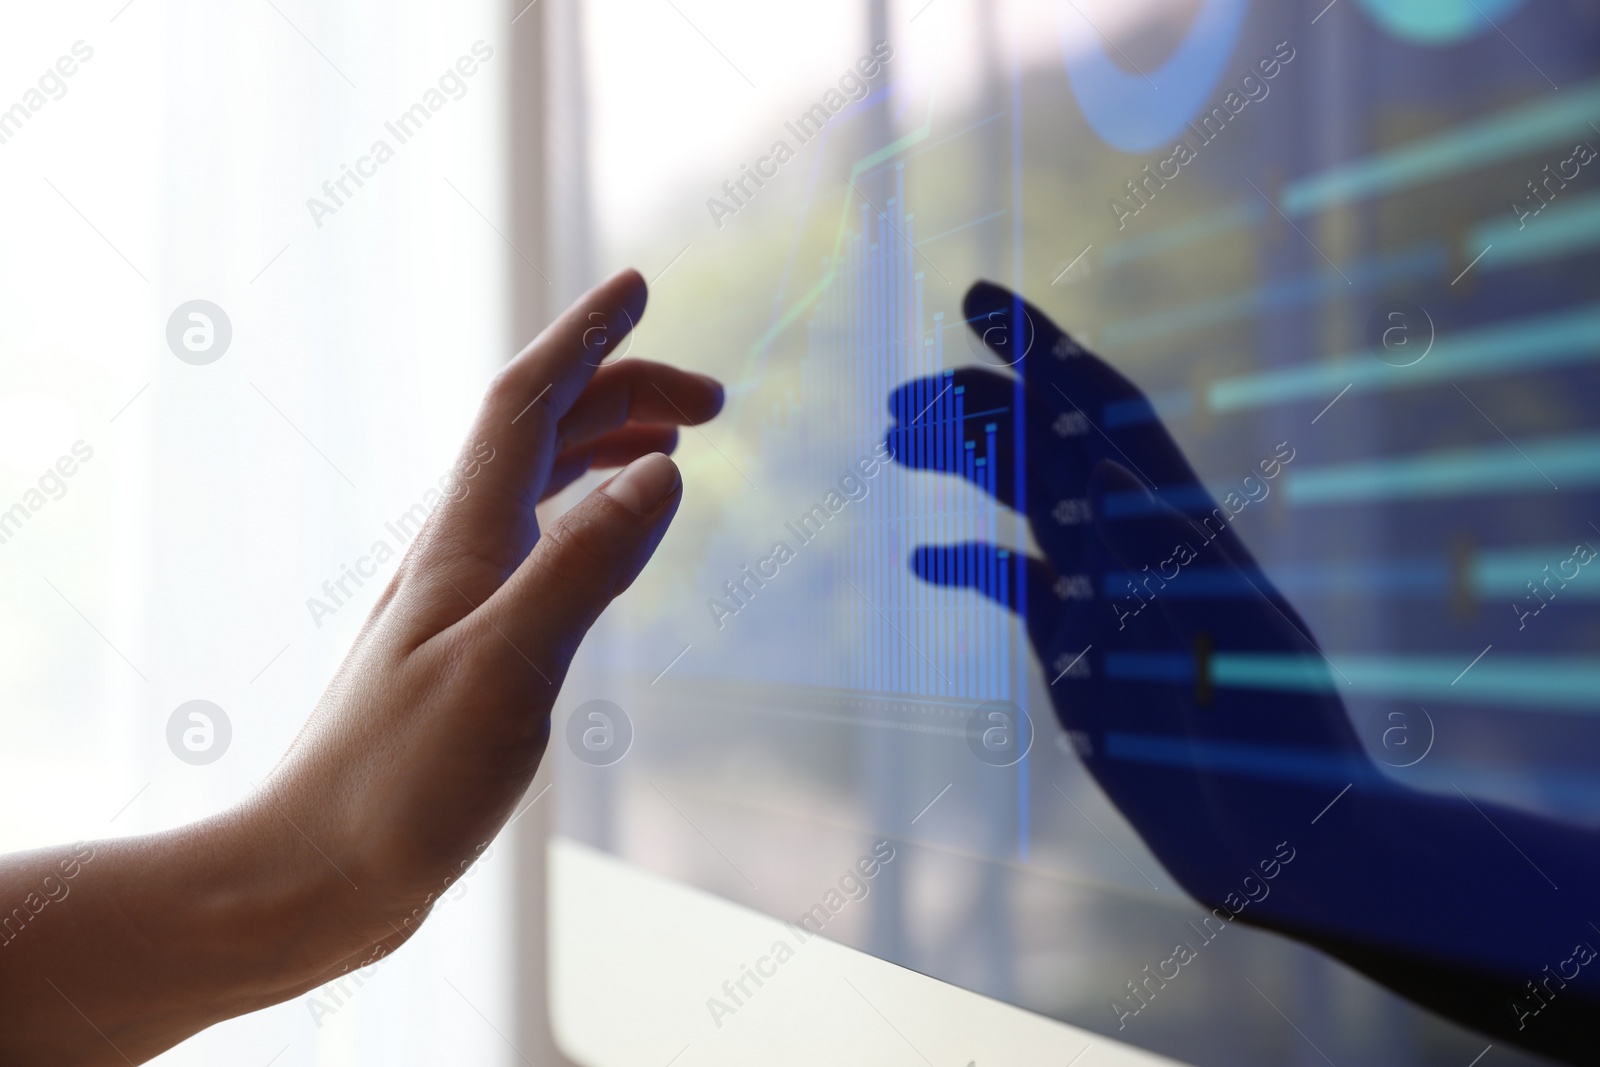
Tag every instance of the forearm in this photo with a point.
(120, 949)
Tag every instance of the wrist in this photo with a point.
(303, 900)
(268, 913)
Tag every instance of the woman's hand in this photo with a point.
(435, 724)
(417, 753)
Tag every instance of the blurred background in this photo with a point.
(261, 366)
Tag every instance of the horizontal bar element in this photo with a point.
(1548, 683)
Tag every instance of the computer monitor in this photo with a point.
(1188, 636)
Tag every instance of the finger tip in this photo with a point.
(645, 485)
(630, 290)
(984, 295)
(716, 395)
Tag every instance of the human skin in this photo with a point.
(414, 757)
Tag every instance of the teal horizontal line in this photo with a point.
(1568, 461)
(1288, 292)
(1225, 220)
(1387, 578)
(1504, 135)
(1566, 226)
(1496, 574)
(1548, 682)
(1546, 340)
(1559, 683)
(1299, 673)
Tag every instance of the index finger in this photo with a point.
(1118, 421)
(556, 366)
(487, 526)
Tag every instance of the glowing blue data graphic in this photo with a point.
(1549, 120)
(1509, 347)
(1546, 683)
(1517, 346)
(1567, 227)
(1214, 224)
(836, 561)
(925, 524)
(871, 331)
(1483, 576)
(1321, 284)
(1572, 462)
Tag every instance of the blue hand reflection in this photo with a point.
(1424, 893)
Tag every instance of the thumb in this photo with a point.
(583, 561)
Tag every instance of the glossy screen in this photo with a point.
(1209, 630)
